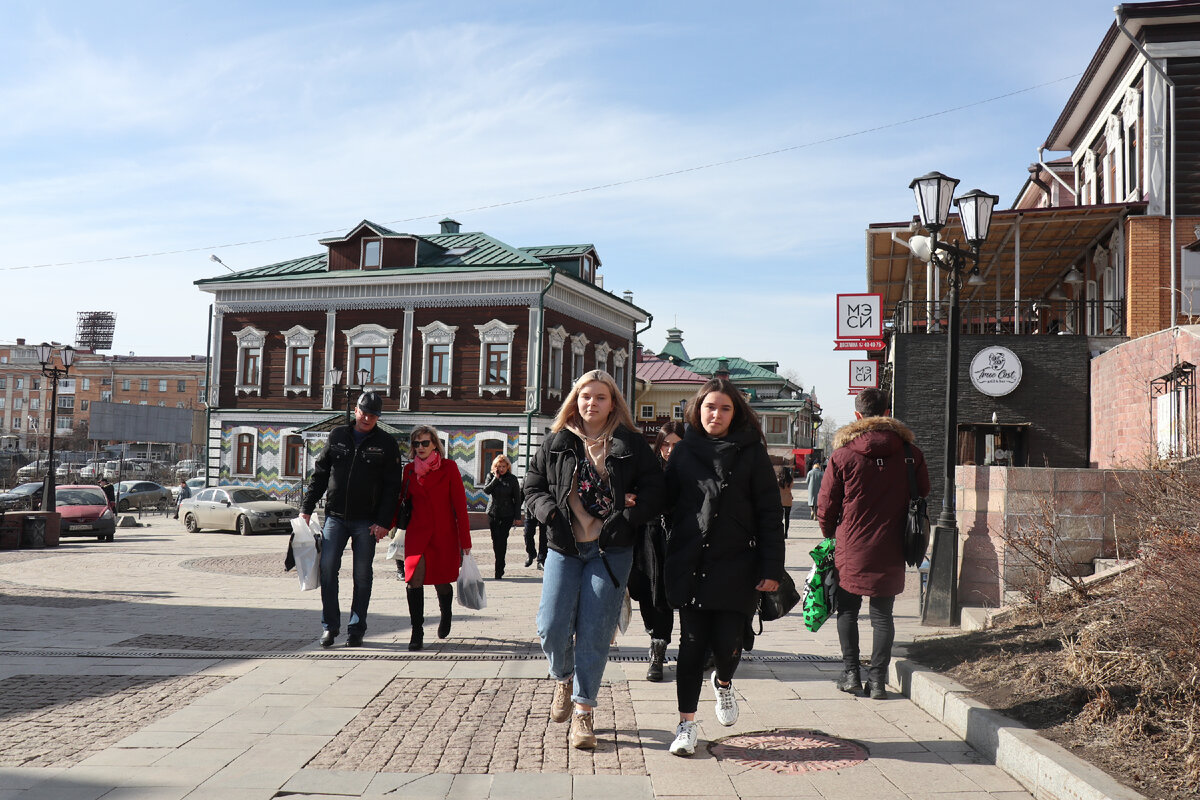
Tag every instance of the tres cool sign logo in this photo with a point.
(995, 371)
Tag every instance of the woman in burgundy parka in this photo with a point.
(438, 535)
(863, 505)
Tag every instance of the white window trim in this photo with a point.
(579, 343)
(437, 333)
(249, 339)
(602, 351)
(642, 411)
(369, 335)
(284, 433)
(233, 451)
(558, 339)
(495, 332)
(620, 357)
(294, 337)
(484, 436)
(362, 255)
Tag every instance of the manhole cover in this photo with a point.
(790, 751)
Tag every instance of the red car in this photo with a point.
(85, 512)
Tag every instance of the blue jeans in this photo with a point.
(335, 534)
(578, 614)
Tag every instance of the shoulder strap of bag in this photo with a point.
(910, 465)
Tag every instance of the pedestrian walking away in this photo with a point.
(184, 494)
(863, 505)
(504, 499)
(358, 473)
(646, 584)
(814, 488)
(535, 538)
(594, 483)
(786, 481)
(724, 546)
(438, 533)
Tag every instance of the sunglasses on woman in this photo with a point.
(423, 443)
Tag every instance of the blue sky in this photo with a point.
(248, 130)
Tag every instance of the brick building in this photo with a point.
(457, 330)
(25, 395)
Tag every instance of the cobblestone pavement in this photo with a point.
(481, 727)
(57, 721)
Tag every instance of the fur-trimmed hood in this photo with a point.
(849, 433)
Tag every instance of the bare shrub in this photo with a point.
(1036, 553)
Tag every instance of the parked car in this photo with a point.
(92, 470)
(85, 512)
(134, 469)
(26, 497)
(242, 508)
(141, 494)
(34, 469)
(195, 484)
(186, 467)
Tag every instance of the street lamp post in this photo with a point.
(55, 374)
(335, 380)
(933, 193)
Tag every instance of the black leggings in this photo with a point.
(787, 519)
(500, 529)
(699, 631)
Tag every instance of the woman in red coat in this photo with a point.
(438, 534)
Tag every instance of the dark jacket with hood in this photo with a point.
(726, 521)
(360, 482)
(632, 469)
(504, 496)
(864, 502)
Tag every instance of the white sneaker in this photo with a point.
(686, 734)
(727, 707)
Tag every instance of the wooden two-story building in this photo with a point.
(457, 330)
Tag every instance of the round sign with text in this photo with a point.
(995, 371)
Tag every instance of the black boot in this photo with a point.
(416, 616)
(876, 688)
(851, 681)
(445, 603)
(658, 654)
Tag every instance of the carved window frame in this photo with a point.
(603, 349)
(432, 334)
(579, 343)
(370, 335)
(495, 332)
(558, 340)
(294, 338)
(249, 340)
(620, 357)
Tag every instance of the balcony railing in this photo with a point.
(1023, 317)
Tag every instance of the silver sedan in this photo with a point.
(241, 508)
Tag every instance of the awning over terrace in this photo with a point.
(1027, 253)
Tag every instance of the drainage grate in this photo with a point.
(790, 752)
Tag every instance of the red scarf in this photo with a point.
(423, 466)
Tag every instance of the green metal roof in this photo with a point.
(484, 251)
(739, 369)
(560, 250)
(377, 228)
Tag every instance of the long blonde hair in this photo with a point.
(569, 411)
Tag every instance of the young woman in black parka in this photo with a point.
(504, 501)
(725, 545)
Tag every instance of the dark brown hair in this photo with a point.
(743, 414)
(871, 403)
(670, 426)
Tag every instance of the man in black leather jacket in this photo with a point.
(359, 473)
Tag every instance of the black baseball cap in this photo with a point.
(370, 403)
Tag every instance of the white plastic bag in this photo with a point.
(395, 548)
(471, 592)
(307, 552)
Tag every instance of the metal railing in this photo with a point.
(1022, 317)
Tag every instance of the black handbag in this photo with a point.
(773, 605)
(916, 522)
(404, 509)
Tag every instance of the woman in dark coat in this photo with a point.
(504, 498)
(594, 483)
(725, 544)
(646, 584)
(437, 535)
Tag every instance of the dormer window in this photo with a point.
(371, 253)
